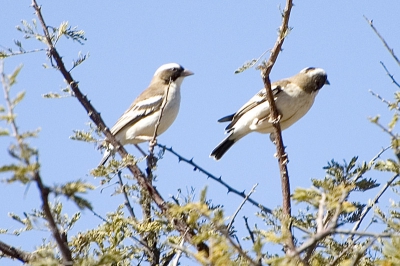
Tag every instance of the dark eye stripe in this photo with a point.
(309, 69)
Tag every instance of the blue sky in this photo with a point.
(129, 40)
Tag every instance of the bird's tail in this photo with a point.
(223, 147)
(106, 155)
(108, 151)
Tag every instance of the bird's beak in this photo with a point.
(186, 73)
(327, 82)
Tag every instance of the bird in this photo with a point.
(293, 96)
(137, 124)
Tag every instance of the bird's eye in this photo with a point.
(174, 69)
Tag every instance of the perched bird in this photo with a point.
(138, 123)
(293, 96)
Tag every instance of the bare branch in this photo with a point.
(246, 223)
(275, 117)
(153, 141)
(390, 75)
(127, 202)
(62, 242)
(240, 207)
(10, 108)
(372, 203)
(391, 51)
(179, 224)
(15, 253)
(218, 179)
(389, 104)
(237, 247)
(361, 252)
(365, 234)
(383, 128)
(371, 162)
(328, 230)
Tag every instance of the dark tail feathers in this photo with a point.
(223, 147)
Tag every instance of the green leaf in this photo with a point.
(83, 136)
(52, 95)
(364, 184)
(4, 132)
(12, 78)
(393, 122)
(62, 29)
(20, 96)
(80, 60)
(8, 118)
(375, 119)
(246, 66)
(387, 166)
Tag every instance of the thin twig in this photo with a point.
(364, 234)
(385, 129)
(346, 251)
(362, 252)
(391, 51)
(237, 247)
(246, 223)
(320, 226)
(164, 103)
(371, 162)
(3, 54)
(127, 202)
(240, 207)
(10, 110)
(372, 203)
(390, 75)
(218, 179)
(179, 224)
(389, 104)
(328, 230)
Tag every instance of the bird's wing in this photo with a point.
(256, 100)
(138, 110)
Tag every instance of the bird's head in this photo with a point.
(172, 72)
(311, 79)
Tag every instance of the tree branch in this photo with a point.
(62, 242)
(15, 253)
(322, 232)
(274, 118)
(127, 202)
(372, 203)
(391, 51)
(217, 179)
(178, 224)
(390, 75)
(389, 104)
(240, 207)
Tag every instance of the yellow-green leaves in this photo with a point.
(389, 165)
(12, 79)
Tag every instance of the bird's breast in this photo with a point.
(171, 108)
